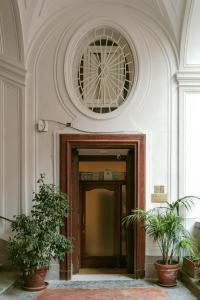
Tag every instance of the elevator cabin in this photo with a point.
(104, 189)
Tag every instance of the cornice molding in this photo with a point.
(188, 78)
(12, 71)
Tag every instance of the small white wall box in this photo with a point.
(42, 126)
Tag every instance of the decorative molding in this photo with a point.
(13, 72)
(1, 37)
(171, 64)
(70, 56)
(15, 30)
(160, 7)
(148, 72)
(27, 3)
(185, 33)
(34, 63)
(41, 7)
(2, 166)
(116, 63)
(11, 102)
(181, 143)
(154, 2)
(190, 39)
(53, 18)
(188, 78)
(10, 150)
(56, 73)
(23, 151)
(16, 41)
(174, 5)
(185, 92)
(18, 31)
(20, 157)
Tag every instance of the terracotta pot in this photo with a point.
(35, 282)
(191, 267)
(167, 274)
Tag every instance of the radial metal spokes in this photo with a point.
(105, 71)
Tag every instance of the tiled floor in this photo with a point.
(6, 280)
(101, 281)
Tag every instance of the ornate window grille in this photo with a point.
(104, 70)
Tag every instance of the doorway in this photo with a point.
(103, 203)
(135, 182)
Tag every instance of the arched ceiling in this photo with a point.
(11, 43)
(168, 14)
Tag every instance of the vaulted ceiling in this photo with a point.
(22, 21)
(36, 14)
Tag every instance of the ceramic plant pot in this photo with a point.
(167, 274)
(35, 282)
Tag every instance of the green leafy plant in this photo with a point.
(164, 225)
(36, 239)
(194, 253)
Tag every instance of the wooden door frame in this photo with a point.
(68, 142)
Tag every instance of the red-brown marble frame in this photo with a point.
(68, 142)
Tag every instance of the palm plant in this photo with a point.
(164, 225)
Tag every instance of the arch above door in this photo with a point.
(68, 181)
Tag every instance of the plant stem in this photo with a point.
(6, 219)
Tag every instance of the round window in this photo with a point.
(103, 70)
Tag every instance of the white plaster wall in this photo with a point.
(10, 38)
(10, 150)
(189, 106)
(193, 39)
(192, 147)
(12, 79)
(192, 150)
(189, 151)
(151, 110)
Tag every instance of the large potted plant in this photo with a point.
(37, 239)
(164, 225)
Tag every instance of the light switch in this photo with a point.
(159, 189)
